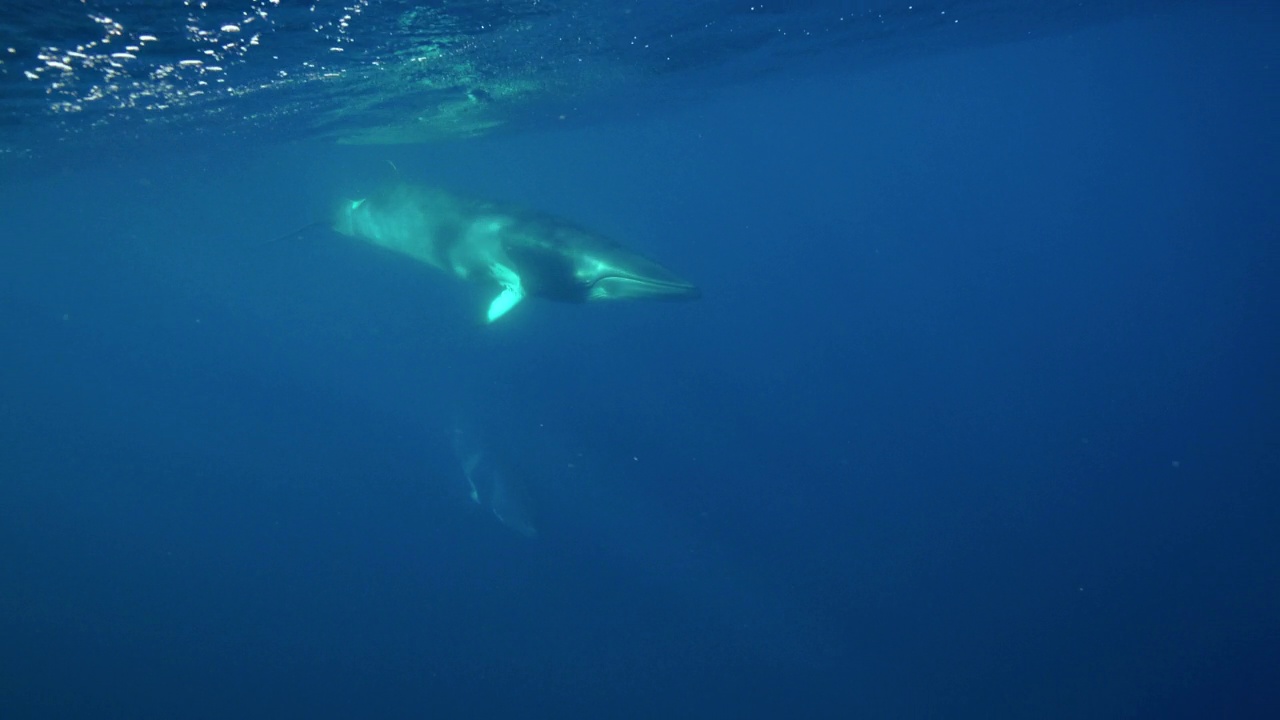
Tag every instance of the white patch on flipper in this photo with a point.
(512, 291)
(468, 468)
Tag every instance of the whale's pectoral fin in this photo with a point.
(474, 492)
(511, 295)
(506, 300)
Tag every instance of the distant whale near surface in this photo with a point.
(517, 252)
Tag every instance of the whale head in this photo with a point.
(616, 273)
(571, 264)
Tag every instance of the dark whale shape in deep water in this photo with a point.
(519, 253)
(492, 485)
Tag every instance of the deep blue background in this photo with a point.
(977, 419)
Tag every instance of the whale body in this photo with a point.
(518, 252)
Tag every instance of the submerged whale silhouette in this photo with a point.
(491, 485)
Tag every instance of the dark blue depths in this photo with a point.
(977, 417)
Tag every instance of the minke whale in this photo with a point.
(518, 253)
(491, 486)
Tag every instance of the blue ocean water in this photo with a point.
(977, 416)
